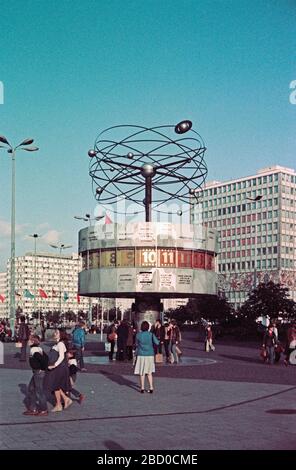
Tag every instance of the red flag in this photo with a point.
(108, 220)
(78, 298)
(2, 298)
(42, 294)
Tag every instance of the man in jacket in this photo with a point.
(78, 340)
(269, 342)
(23, 337)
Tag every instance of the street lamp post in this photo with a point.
(88, 218)
(12, 151)
(60, 247)
(35, 236)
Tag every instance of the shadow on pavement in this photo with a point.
(112, 445)
(119, 379)
(242, 358)
(281, 412)
(23, 389)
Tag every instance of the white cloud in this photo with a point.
(5, 228)
(42, 227)
(51, 237)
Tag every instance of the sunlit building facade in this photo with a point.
(255, 217)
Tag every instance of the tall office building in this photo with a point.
(255, 217)
(55, 275)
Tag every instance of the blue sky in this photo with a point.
(72, 68)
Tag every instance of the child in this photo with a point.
(36, 398)
(73, 368)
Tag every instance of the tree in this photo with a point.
(213, 308)
(268, 299)
(209, 307)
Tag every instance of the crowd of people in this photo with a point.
(272, 348)
(123, 335)
(5, 332)
(53, 374)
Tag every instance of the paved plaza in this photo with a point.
(227, 399)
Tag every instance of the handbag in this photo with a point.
(159, 358)
(112, 337)
(178, 351)
(263, 353)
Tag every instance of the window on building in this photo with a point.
(263, 264)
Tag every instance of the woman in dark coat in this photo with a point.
(57, 377)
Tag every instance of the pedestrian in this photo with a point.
(269, 342)
(2, 332)
(73, 368)
(145, 364)
(290, 342)
(57, 378)
(36, 399)
(166, 342)
(122, 335)
(130, 342)
(275, 329)
(23, 337)
(175, 338)
(43, 330)
(159, 331)
(78, 340)
(209, 339)
(111, 338)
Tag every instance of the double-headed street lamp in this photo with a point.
(88, 218)
(12, 150)
(60, 247)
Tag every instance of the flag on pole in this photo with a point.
(43, 294)
(2, 298)
(28, 294)
(78, 298)
(54, 293)
(66, 296)
(108, 220)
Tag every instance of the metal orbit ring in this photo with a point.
(121, 164)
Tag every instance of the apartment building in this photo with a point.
(55, 277)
